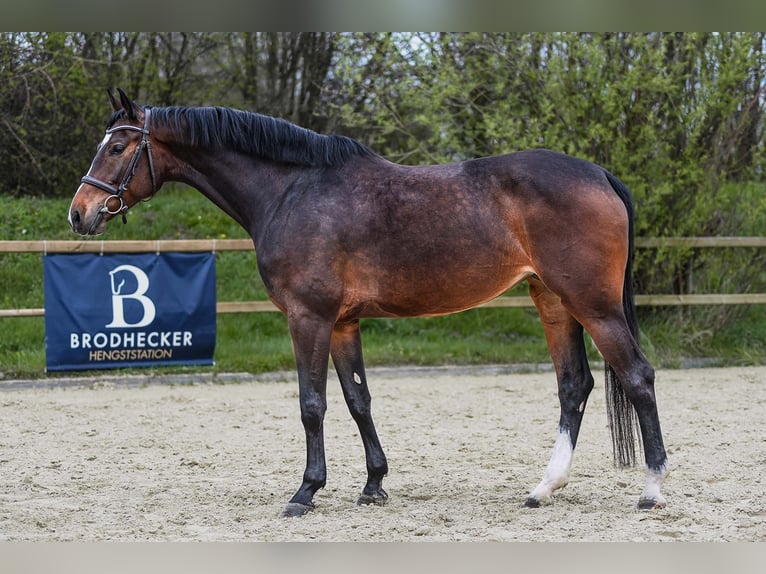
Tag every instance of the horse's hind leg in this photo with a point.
(564, 336)
(346, 351)
(636, 376)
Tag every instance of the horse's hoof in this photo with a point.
(294, 509)
(650, 504)
(532, 503)
(379, 498)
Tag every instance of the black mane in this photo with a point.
(264, 136)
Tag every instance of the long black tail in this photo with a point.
(623, 422)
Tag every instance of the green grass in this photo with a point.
(259, 342)
(681, 336)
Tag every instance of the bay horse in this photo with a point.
(341, 234)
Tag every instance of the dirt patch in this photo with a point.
(218, 462)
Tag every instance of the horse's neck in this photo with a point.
(245, 188)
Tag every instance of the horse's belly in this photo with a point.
(439, 295)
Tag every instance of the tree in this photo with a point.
(279, 74)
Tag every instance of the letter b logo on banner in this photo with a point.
(139, 295)
(129, 310)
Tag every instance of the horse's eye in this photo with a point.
(117, 149)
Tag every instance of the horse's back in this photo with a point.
(541, 187)
(537, 172)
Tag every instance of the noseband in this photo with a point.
(118, 192)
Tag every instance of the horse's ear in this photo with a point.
(115, 105)
(128, 105)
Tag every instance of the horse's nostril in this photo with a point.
(74, 218)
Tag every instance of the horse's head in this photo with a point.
(121, 174)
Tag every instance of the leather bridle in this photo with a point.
(118, 192)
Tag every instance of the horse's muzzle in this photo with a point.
(83, 225)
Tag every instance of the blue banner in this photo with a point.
(129, 310)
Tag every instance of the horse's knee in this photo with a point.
(312, 414)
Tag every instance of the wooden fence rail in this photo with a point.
(191, 245)
(161, 245)
(140, 246)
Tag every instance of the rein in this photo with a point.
(118, 192)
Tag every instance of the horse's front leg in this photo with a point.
(346, 351)
(311, 344)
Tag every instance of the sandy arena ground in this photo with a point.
(217, 462)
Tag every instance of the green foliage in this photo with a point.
(46, 112)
